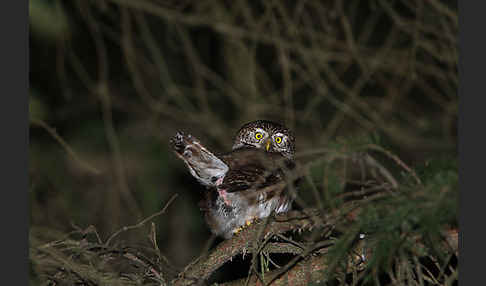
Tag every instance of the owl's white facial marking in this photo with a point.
(280, 139)
(256, 138)
(279, 142)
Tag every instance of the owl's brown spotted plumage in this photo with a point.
(246, 183)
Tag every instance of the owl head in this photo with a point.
(266, 135)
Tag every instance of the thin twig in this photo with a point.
(69, 150)
(142, 222)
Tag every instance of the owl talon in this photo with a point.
(247, 224)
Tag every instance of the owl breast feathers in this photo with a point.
(247, 183)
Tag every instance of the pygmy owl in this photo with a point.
(247, 183)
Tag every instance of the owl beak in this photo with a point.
(267, 145)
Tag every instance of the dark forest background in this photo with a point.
(112, 80)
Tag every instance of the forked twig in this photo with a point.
(142, 222)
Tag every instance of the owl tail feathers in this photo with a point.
(206, 167)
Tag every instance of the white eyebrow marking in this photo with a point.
(281, 135)
(260, 130)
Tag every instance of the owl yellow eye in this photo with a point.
(278, 140)
(258, 135)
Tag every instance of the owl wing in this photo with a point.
(206, 167)
(253, 169)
